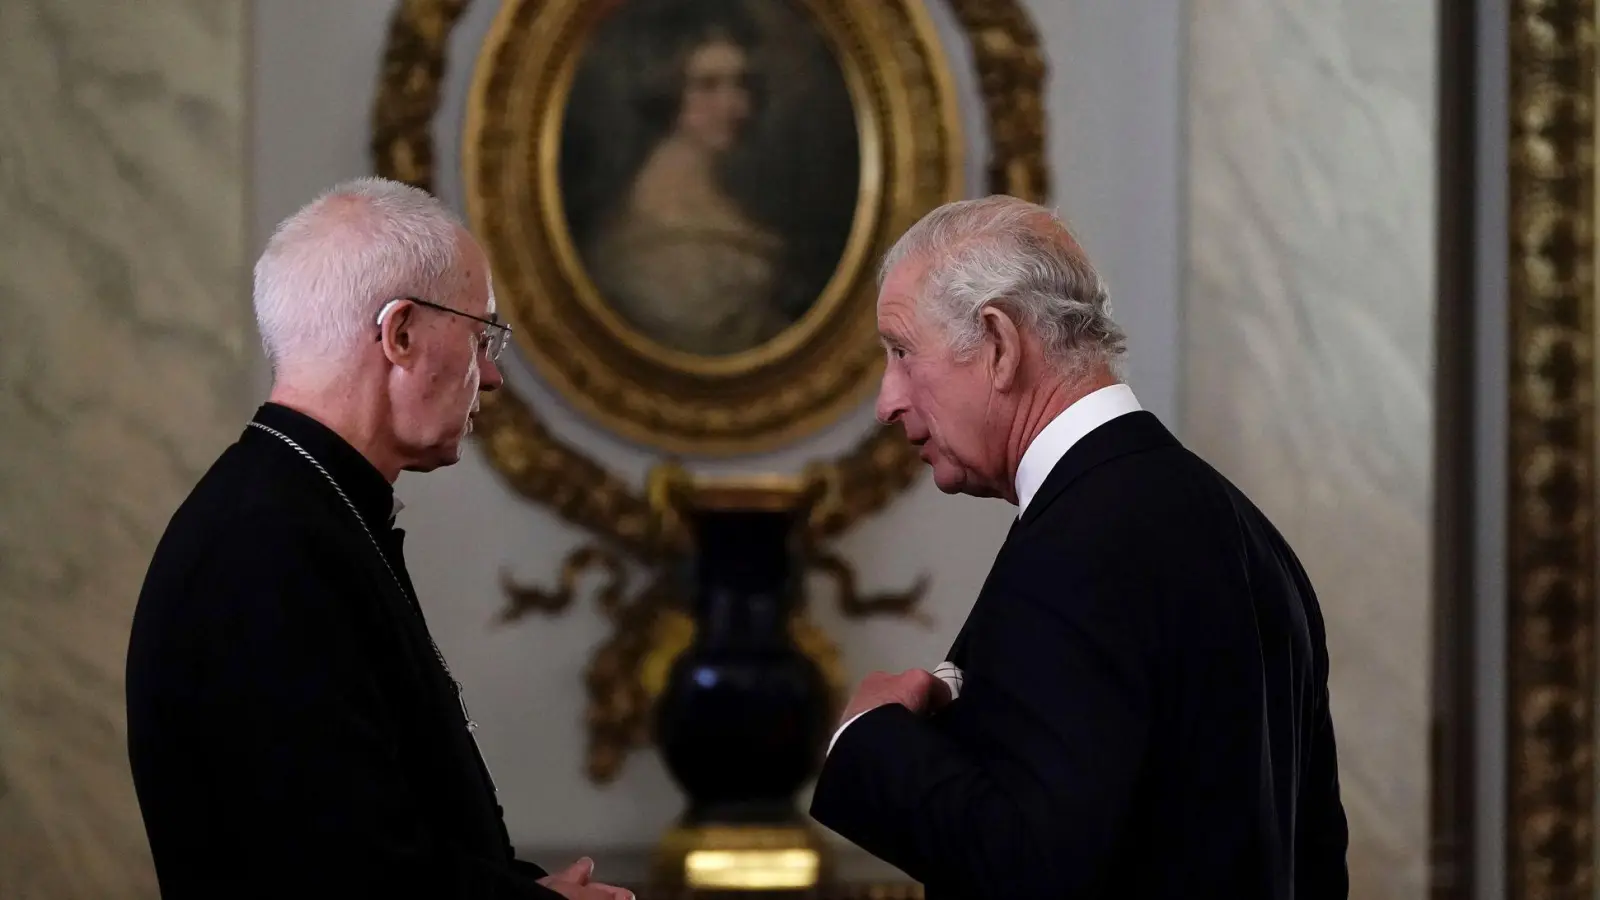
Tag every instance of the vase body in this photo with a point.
(744, 715)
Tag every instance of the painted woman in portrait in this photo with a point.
(668, 212)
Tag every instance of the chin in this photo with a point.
(948, 481)
(954, 481)
(437, 458)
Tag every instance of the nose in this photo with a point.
(732, 99)
(489, 378)
(892, 403)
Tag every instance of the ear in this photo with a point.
(1002, 346)
(397, 333)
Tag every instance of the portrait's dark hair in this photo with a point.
(640, 56)
(672, 33)
(795, 167)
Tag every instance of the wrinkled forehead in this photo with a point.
(900, 296)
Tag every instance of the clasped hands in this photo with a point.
(574, 884)
(918, 690)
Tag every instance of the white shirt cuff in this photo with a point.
(946, 671)
(843, 727)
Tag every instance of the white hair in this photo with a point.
(1018, 256)
(330, 267)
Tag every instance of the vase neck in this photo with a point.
(744, 577)
(737, 620)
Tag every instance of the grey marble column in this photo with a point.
(1308, 345)
(126, 360)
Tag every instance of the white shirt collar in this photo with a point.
(1065, 430)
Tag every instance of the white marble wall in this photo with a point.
(1308, 352)
(125, 353)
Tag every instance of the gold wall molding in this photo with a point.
(541, 466)
(628, 524)
(1551, 484)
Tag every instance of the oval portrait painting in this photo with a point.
(709, 168)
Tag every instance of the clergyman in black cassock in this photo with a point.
(289, 725)
(292, 728)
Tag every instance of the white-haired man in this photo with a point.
(292, 727)
(1137, 704)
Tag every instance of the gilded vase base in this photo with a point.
(742, 857)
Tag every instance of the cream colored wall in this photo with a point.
(125, 366)
(1115, 146)
(1308, 347)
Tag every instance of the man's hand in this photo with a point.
(574, 884)
(917, 690)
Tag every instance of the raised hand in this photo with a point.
(916, 689)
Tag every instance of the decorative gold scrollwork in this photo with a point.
(649, 626)
(1551, 529)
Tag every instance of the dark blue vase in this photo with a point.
(744, 715)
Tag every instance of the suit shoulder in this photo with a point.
(1163, 517)
(1155, 490)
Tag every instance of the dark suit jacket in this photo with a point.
(291, 731)
(1144, 712)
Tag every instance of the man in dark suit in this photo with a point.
(1137, 704)
(293, 729)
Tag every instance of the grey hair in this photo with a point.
(1018, 256)
(328, 268)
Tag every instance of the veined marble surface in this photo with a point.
(125, 365)
(1308, 347)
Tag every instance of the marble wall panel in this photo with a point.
(1308, 352)
(126, 360)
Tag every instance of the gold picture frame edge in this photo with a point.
(864, 221)
(544, 469)
(1550, 548)
(772, 397)
(547, 470)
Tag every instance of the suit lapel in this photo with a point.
(1131, 433)
(1134, 432)
(960, 643)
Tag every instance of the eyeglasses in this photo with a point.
(491, 343)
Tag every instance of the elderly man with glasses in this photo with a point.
(292, 727)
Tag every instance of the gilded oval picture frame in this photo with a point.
(625, 521)
(685, 201)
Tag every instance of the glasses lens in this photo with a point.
(498, 338)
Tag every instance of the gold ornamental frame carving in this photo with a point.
(1551, 497)
(909, 127)
(630, 524)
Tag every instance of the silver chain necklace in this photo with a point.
(360, 520)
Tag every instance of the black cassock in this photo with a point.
(292, 730)
(1144, 707)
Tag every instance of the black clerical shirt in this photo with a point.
(292, 730)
